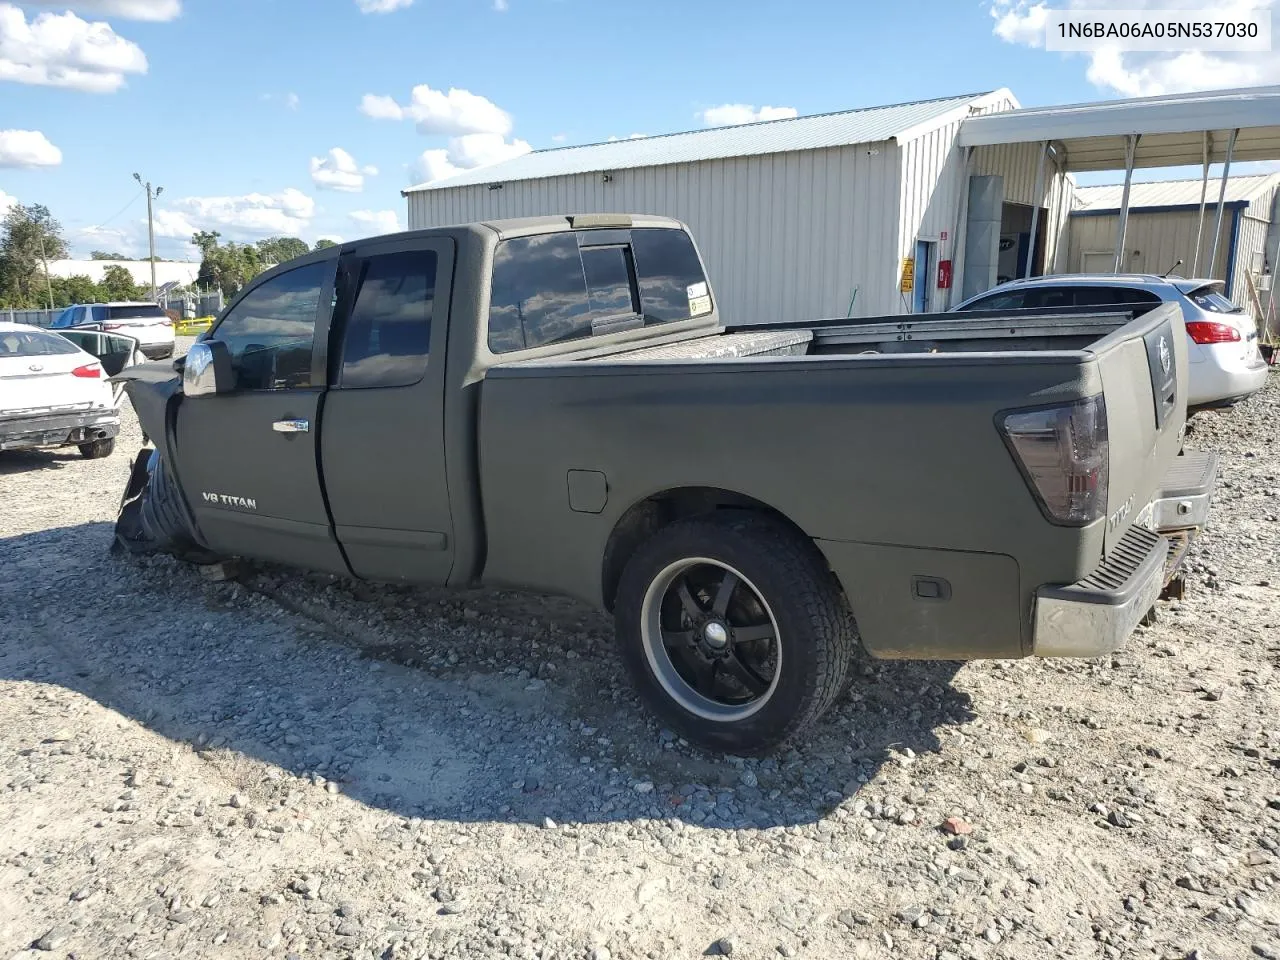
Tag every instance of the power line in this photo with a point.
(117, 213)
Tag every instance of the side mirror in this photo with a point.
(207, 370)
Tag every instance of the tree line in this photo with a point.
(30, 237)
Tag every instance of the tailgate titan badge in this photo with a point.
(1122, 514)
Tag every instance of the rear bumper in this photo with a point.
(1218, 382)
(1095, 616)
(58, 429)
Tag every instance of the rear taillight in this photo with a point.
(1211, 331)
(90, 371)
(1064, 453)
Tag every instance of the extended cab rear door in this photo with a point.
(247, 460)
(382, 446)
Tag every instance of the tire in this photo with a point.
(155, 521)
(161, 516)
(779, 645)
(97, 449)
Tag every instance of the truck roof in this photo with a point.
(523, 226)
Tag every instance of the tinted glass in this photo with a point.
(21, 343)
(667, 267)
(270, 332)
(539, 293)
(608, 280)
(1048, 297)
(144, 312)
(82, 315)
(65, 318)
(1010, 300)
(1207, 298)
(1111, 296)
(389, 333)
(99, 314)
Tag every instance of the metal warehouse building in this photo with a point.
(1165, 224)
(806, 217)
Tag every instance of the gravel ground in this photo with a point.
(292, 765)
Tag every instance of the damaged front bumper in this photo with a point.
(1095, 616)
(31, 430)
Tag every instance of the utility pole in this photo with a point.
(151, 226)
(48, 284)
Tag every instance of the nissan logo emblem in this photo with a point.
(1166, 356)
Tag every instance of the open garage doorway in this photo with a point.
(1015, 242)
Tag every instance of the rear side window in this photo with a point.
(1048, 297)
(1112, 296)
(144, 312)
(548, 290)
(22, 343)
(1207, 298)
(99, 314)
(672, 285)
(66, 318)
(389, 333)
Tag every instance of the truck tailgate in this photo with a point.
(1144, 378)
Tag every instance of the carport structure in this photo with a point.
(1222, 126)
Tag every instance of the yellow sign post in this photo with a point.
(908, 275)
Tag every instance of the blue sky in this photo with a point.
(234, 106)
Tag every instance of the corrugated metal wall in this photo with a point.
(1018, 164)
(789, 235)
(1153, 242)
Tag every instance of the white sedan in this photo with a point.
(54, 394)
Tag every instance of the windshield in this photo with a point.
(144, 311)
(1208, 298)
(20, 343)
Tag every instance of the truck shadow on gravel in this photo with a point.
(474, 705)
(24, 461)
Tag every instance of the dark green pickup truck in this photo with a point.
(556, 404)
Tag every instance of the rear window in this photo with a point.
(1207, 298)
(30, 344)
(549, 289)
(144, 312)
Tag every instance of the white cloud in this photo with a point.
(291, 101)
(454, 113)
(124, 9)
(7, 203)
(733, 114)
(467, 153)
(558, 138)
(378, 221)
(629, 136)
(61, 50)
(338, 170)
(110, 239)
(382, 6)
(170, 223)
(501, 6)
(252, 215)
(27, 148)
(1147, 74)
(381, 107)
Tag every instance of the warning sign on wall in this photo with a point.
(908, 275)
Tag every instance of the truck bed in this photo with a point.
(911, 470)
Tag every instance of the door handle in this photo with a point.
(292, 426)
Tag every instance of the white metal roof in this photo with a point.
(1171, 128)
(1174, 193)
(901, 121)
